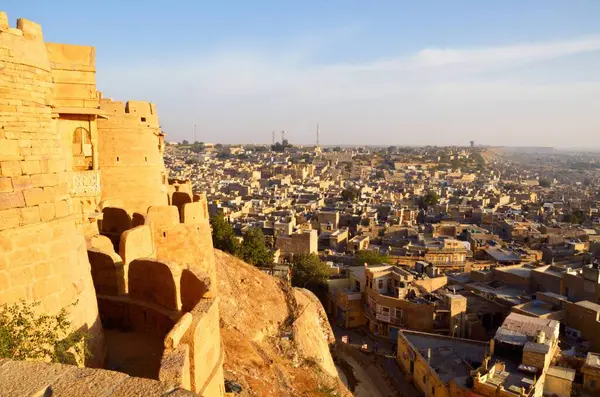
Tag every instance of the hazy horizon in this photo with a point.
(391, 73)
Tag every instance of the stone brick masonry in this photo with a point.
(42, 256)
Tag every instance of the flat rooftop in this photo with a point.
(593, 360)
(589, 305)
(539, 308)
(451, 358)
(511, 378)
(524, 272)
(502, 255)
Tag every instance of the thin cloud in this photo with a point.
(445, 94)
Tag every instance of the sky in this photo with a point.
(395, 72)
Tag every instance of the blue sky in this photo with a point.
(370, 72)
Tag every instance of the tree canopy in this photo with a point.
(309, 271)
(349, 194)
(430, 198)
(372, 257)
(254, 249)
(223, 235)
(27, 335)
(197, 147)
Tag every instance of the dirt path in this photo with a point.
(366, 385)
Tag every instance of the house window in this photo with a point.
(380, 284)
(357, 285)
(397, 313)
(385, 310)
(143, 119)
(82, 150)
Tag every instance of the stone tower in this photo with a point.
(131, 147)
(42, 256)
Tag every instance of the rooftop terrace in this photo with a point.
(451, 358)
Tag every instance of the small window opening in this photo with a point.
(146, 158)
(117, 158)
(164, 234)
(143, 119)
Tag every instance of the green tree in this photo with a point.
(430, 198)
(223, 235)
(372, 257)
(25, 334)
(197, 147)
(545, 182)
(576, 217)
(455, 164)
(254, 249)
(184, 142)
(349, 194)
(309, 271)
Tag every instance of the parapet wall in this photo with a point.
(163, 281)
(42, 257)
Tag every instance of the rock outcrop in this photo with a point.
(276, 338)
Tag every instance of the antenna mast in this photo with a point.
(318, 132)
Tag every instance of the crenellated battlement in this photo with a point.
(163, 281)
(24, 28)
(133, 108)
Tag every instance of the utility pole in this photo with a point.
(194, 133)
(282, 136)
(273, 138)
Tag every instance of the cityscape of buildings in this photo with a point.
(489, 278)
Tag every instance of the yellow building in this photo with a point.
(591, 373)
(439, 366)
(345, 299)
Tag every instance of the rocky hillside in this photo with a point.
(276, 338)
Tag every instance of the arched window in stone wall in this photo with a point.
(82, 150)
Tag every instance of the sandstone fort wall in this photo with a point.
(72, 165)
(43, 256)
(131, 155)
(163, 281)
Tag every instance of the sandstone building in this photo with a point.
(87, 216)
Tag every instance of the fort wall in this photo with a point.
(66, 153)
(43, 256)
(131, 147)
(163, 281)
